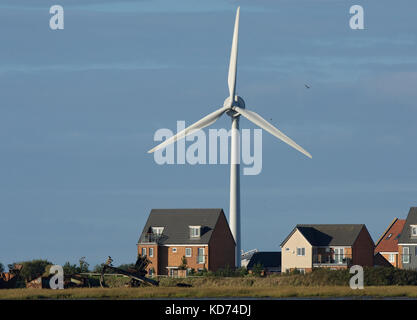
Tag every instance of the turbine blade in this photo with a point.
(200, 124)
(261, 122)
(233, 58)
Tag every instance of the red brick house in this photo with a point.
(202, 236)
(387, 244)
(333, 246)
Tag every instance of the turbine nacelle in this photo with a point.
(237, 102)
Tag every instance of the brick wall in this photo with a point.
(222, 246)
(363, 249)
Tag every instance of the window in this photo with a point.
(174, 250)
(389, 236)
(200, 257)
(406, 255)
(157, 230)
(143, 251)
(301, 270)
(287, 249)
(195, 231)
(188, 252)
(151, 252)
(413, 231)
(301, 251)
(391, 257)
(339, 255)
(151, 272)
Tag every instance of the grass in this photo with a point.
(214, 292)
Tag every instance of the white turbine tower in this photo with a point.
(234, 106)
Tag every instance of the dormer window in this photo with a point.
(413, 230)
(195, 231)
(157, 230)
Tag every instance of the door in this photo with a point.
(338, 255)
(200, 256)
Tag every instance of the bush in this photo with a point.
(73, 268)
(225, 272)
(257, 270)
(126, 266)
(33, 269)
(373, 276)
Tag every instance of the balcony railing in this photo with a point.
(332, 259)
(152, 238)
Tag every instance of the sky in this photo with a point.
(79, 108)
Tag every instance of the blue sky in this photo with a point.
(79, 108)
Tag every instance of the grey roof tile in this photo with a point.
(405, 236)
(176, 224)
(329, 234)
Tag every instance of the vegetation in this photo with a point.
(32, 269)
(257, 269)
(373, 276)
(127, 266)
(1, 267)
(211, 291)
(183, 265)
(73, 268)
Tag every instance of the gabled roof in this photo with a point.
(268, 259)
(328, 234)
(388, 242)
(176, 223)
(405, 236)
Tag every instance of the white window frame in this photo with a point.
(391, 257)
(302, 252)
(188, 255)
(413, 228)
(151, 252)
(174, 250)
(143, 251)
(195, 231)
(199, 255)
(406, 256)
(157, 230)
(339, 255)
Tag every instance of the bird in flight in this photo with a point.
(307, 86)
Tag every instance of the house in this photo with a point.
(201, 237)
(387, 244)
(331, 246)
(269, 260)
(407, 242)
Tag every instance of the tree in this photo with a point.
(33, 269)
(70, 268)
(183, 265)
(83, 265)
(98, 268)
(1, 267)
(73, 268)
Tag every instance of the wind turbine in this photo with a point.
(234, 106)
